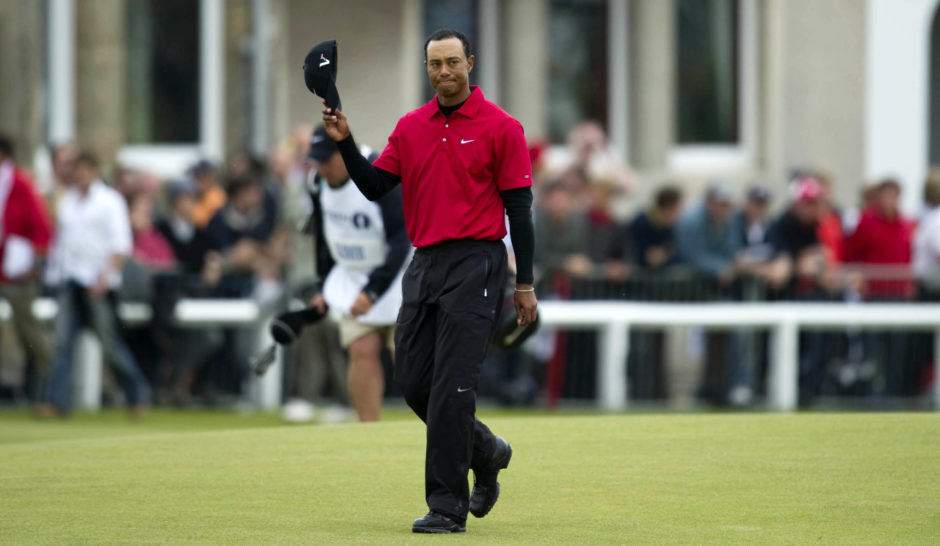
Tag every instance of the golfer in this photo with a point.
(461, 161)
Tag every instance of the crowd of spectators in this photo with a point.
(240, 231)
(731, 246)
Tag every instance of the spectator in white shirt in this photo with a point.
(93, 237)
(927, 242)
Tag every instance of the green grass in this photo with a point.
(670, 479)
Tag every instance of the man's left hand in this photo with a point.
(361, 306)
(101, 287)
(526, 305)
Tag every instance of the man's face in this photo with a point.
(888, 201)
(448, 67)
(248, 199)
(670, 214)
(83, 175)
(333, 170)
(204, 181)
(63, 159)
(755, 210)
(558, 203)
(183, 205)
(718, 210)
(808, 211)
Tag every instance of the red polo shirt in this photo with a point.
(453, 168)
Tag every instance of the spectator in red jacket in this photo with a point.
(25, 231)
(829, 229)
(883, 237)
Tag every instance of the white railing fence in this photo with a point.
(613, 319)
(783, 320)
(87, 363)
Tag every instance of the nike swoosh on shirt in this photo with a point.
(463, 390)
(462, 141)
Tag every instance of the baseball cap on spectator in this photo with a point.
(806, 188)
(720, 192)
(201, 167)
(181, 187)
(322, 146)
(759, 194)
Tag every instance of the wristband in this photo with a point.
(529, 290)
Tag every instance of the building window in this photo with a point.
(577, 65)
(707, 72)
(163, 72)
(460, 15)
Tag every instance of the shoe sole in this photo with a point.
(438, 531)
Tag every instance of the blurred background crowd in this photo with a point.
(684, 151)
(240, 230)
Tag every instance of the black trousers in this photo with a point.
(452, 295)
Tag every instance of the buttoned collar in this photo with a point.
(470, 108)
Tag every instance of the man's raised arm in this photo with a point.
(371, 181)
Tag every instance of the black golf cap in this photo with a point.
(509, 334)
(322, 146)
(320, 73)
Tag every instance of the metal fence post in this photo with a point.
(87, 369)
(612, 375)
(784, 379)
(267, 388)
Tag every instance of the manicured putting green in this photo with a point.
(670, 479)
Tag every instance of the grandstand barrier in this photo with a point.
(613, 319)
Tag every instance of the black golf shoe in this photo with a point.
(438, 524)
(485, 487)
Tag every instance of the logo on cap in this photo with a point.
(324, 59)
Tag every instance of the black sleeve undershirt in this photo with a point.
(518, 204)
(371, 181)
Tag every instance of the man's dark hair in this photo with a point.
(668, 197)
(444, 34)
(88, 159)
(6, 146)
(238, 183)
(890, 184)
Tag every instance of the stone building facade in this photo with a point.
(839, 85)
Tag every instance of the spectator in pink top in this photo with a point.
(151, 249)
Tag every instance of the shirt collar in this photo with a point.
(470, 108)
(93, 190)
